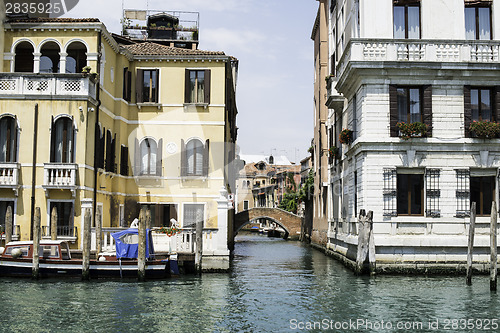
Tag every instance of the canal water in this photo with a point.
(274, 286)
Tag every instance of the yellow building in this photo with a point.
(149, 124)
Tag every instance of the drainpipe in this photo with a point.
(33, 174)
(96, 129)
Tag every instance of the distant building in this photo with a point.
(261, 184)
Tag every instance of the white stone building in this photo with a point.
(434, 62)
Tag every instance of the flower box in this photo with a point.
(346, 136)
(412, 130)
(485, 129)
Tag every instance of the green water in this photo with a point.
(274, 286)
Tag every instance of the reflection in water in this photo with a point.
(271, 282)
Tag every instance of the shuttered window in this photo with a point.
(433, 192)
(110, 152)
(127, 84)
(409, 104)
(195, 158)
(463, 193)
(480, 104)
(147, 85)
(197, 86)
(124, 161)
(390, 192)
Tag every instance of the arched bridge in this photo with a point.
(288, 221)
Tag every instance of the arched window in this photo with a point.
(62, 141)
(49, 60)
(77, 58)
(24, 58)
(194, 158)
(8, 139)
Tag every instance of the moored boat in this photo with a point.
(56, 261)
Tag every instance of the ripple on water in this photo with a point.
(271, 282)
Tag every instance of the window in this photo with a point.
(482, 192)
(197, 89)
(245, 205)
(62, 140)
(433, 192)
(195, 158)
(147, 85)
(407, 20)
(49, 59)
(193, 213)
(409, 105)
(463, 193)
(478, 22)
(410, 194)
(480, 105)
(77, 58)
(24, 59)
(101, 145)
(8, 139)
(110, 152)
(65, 216)
(149, 157)
(390, 192)
(124, 161)
(127, 84)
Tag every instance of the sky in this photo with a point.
(271, 39)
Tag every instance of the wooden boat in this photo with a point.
(55, 261)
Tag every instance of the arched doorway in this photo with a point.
(49, 59)
(76, 58)
(24, 59)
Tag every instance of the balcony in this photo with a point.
(47, 86)
(60, 176)
(64, 232)
(16, 232)
(448, 51)
(9, 176)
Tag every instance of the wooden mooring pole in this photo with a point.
(366, 243)
(8, 225)
(493, 246)
(470, 245)
(199, 245)
(141, 258)
(36, 244)
(86, 246)
(53, 223)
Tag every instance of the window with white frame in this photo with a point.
(193, 213)
(8, 139)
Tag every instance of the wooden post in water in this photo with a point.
(363, 240)
(8, 225)
(86, 246)
(98, 233)
(36, 244)
(53, 223)
(148, 219)
(493, 246)
(141, 259)
(199, 244)
(470, 244)
(371, 243)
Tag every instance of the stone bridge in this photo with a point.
(288, 221)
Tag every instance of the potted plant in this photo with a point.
(412, 130)
(86, 69)
(346, 136)
(334, 152)
(485, 129)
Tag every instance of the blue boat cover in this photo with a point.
(127, 243)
